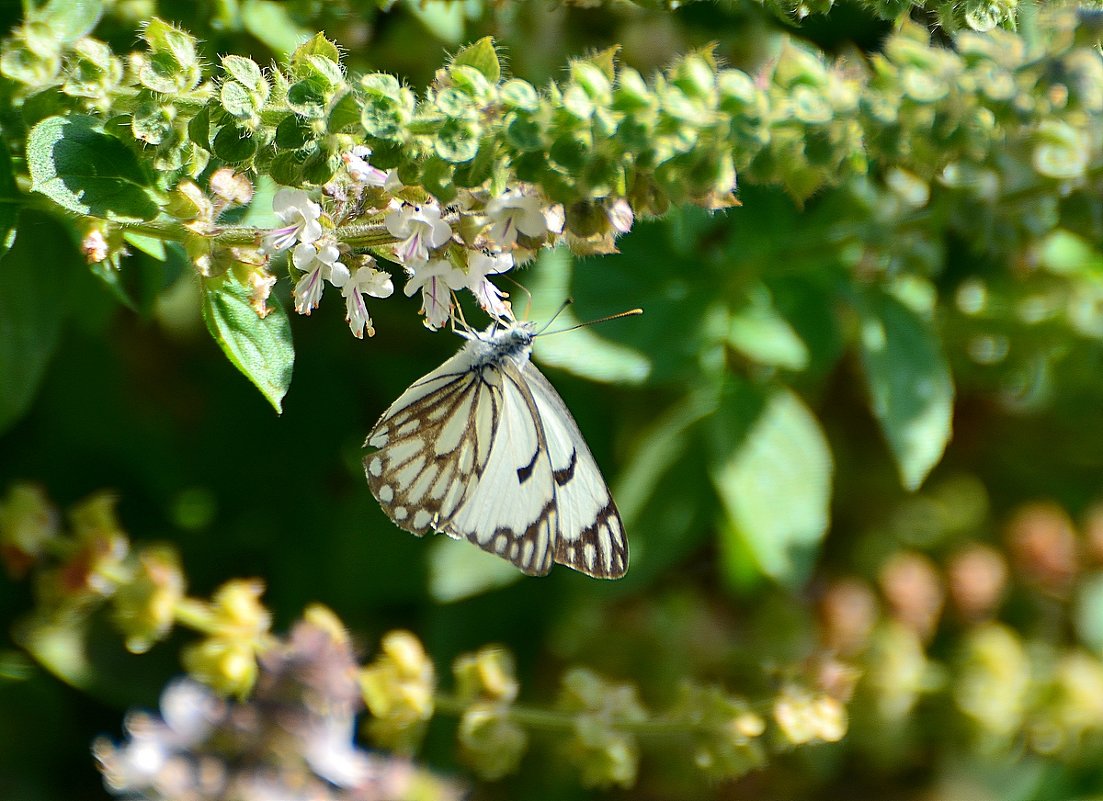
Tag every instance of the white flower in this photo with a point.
(365, 281)
(514, 211)
(359, 170)
(320, 265)
(94, 246)
(620, 215)
(480, 264)
(421, 228)
(436, 280)
(393, 184)
(331, 753)
(299, 215)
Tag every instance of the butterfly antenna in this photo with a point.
(523, 288)
(629, 313)
(567, 302)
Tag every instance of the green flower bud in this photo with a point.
(520, 95)
(592, 81)
(173, 63)
(471, 82)
(28, 523)
(1062, 151)
(29, 65)
(695, 75)
(491, 743)
(726, 731)
(632, 93)
(91, 70)
(152, 122)
(605, 754)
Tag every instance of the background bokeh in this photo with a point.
(969, 612)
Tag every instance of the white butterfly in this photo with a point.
(483, 448)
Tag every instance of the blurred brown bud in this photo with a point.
(913, 588)
(848, 612)
(977, 576)
(1093, 533)
(1043, 545)
(231, 187)
(834, 677)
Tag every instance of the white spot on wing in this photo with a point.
(386, 493)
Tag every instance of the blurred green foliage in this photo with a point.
(856, 437)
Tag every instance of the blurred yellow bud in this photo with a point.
(145, 606)
(487, 674)
(225, 665)
(804, 717)
(27, 523)
(398, 690)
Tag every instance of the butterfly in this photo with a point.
(484, 449)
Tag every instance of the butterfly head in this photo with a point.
(512, 340)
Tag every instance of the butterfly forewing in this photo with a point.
(591, 536)
(415, 477)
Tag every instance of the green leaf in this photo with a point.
(32, 309)
(760, 333)
(68, 20)
(582, 352)
(10, 201)
(663, 490)
(482, 56)
(459, 570)
(909, 382)
(246, 72)
(442, 18)
(317, 45)
(82, 169)
(773, 474)
(233, 144)
(150, 245)
(270, 22)
(1089, 612)
(260, 348)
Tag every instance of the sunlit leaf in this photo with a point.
(482, 56)
(1089, 612)
(773, 477)
(458, 571)
(759, 332)
(908, 378)
(85, 170)
(583, 352)
(260, 348)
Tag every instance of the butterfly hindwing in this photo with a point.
(591, 536)
(511, 510)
